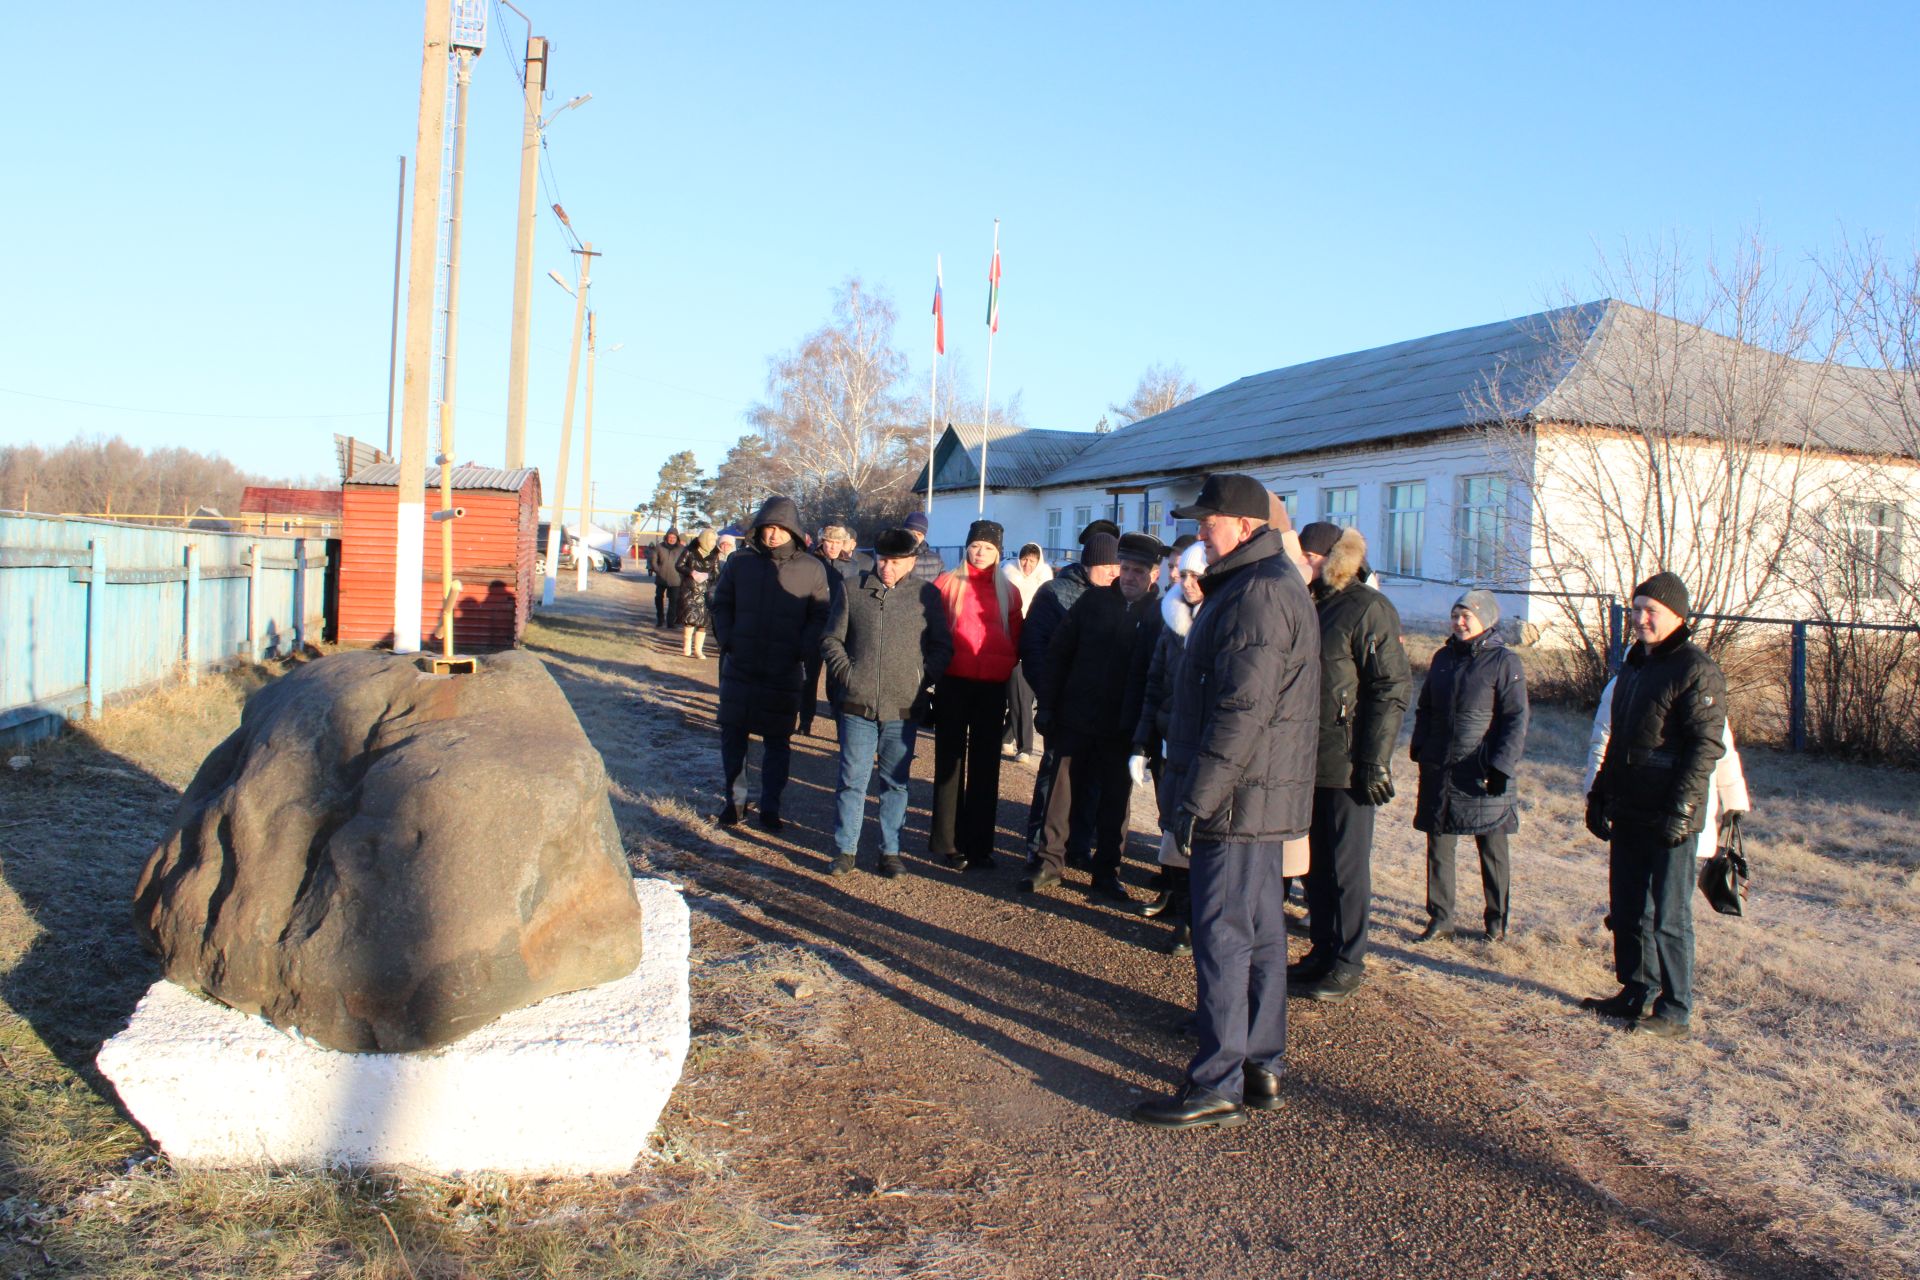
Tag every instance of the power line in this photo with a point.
(189, 413)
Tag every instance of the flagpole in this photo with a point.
(933, 386)
(986, 407)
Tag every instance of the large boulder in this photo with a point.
(387, 859)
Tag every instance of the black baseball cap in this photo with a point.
(1228, 493)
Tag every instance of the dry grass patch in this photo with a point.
(1798, 1090)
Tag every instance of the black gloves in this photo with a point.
(1597, 822)
(1372, 784)
(1496, 782)
(1183, 824)
(1678, 827)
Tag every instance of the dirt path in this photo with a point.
(967, 1113)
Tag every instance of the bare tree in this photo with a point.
(102, 475)
(1162, 387)
(1671, 427)
(836, 417)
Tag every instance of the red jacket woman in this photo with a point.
(970, 702)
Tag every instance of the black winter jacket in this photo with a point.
(1089, 661)
(1050, 605)
(1470, 719)
(1156, 662)
(1669, 725)
(1364, 683)
(663, 563)
(769, 611)
(885, 646)
(1241, 733)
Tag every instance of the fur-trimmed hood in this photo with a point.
(1176, 612)
(1346, 563)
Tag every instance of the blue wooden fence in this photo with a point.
(90, 609)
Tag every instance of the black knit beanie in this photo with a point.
(1668, 590)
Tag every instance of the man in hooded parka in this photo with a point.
(769, 609)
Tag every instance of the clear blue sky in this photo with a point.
(199, 226)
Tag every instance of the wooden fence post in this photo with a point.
(97, 628)
(299, 594)
(1797, 690)
(253, 602)
(192, 647)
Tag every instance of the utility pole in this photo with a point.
(523, 255)
(586, 469)
(410, 529)
(586, 256)
(450, 355)
(393, 340)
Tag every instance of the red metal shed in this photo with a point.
(493, 556)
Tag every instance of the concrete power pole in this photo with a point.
(586, 255)
(586, 468)
(450, 355)
(417, 388)
(523, 255)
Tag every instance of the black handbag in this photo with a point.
(1724, 877)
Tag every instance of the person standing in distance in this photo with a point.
(1242, 737)
(1469, 732)
(1364, 688)
(886, 645)
(769, 611)
(1669, 722)
(661, 563)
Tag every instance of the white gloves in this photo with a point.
(1137, 766)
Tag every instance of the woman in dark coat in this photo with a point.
(699, 565)
(1469, 731)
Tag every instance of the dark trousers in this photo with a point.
(1095, 768)
(968, 717)
(1020, 711)
(773, 766)
(1049, 776)
(663, 603)
(1496, 873)
(1650, 897)
(1339, 879)
(1239, 963)
(810, 695)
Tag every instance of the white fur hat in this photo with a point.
(1194, 558)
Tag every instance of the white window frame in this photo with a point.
(1151, 514)
(1416, 511)
(1480, 526)
(1082, 517)
(1053, 528)
(1291, 501)
(1345, 519)
(1870, 536)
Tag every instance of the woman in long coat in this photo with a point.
(1469, 732)
(699, 565)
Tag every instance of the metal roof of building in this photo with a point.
(290, 502)
(465, 476)
(1580, 364)
(1017, 457)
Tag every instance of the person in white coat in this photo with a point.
(1727, 797)
(1028, 572)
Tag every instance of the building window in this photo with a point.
(1869, 567)
(1082, 517)
(1406, 527)
(1151, 515)
(1291, 501)
(1053, 529)
(1480, 528)
(1340, 506)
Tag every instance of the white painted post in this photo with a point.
(96, 628)
(192, 647)
(253, 602)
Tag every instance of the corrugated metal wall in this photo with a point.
(493, 551)
(90, 609)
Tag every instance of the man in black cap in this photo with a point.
(1648, 801)
(1364, 690)
(1089, 662)
(1241, 743)
(1050, 605)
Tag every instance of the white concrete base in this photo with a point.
(572, 1085)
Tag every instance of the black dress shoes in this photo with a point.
(1155, 905)
(1261, 1087)
(1434, 932)
(1108, 888)
(1191, 1108)
(729, 816)
(1181, 944)
(1622, 1005)
(769, 822)
(1038, 878)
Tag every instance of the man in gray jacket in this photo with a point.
(887, 642)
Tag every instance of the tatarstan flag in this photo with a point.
(993, 292)
(939, 313)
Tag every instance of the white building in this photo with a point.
(1496, 456)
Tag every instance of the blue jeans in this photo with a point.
(860, 739)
